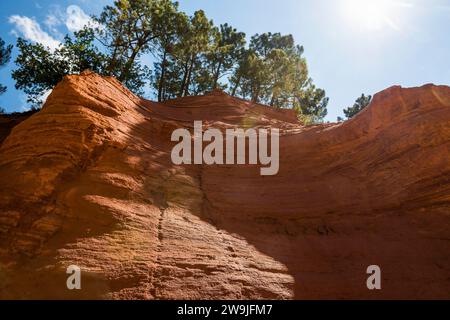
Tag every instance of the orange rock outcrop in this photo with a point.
(89, 181)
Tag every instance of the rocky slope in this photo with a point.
(89, 181)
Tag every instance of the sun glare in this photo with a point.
(370, 14)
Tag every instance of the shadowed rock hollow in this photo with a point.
(89, 181)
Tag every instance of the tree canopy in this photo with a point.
(360, 103)
(190, 56)
(40, 69)
(5, 56)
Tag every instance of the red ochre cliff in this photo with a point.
(89, 181)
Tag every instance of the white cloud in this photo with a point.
(51, 21)
(74, 18)
(77, 19)
(55, 18)
(31, 30)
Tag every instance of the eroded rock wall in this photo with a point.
(89, 181)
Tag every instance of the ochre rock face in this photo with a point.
(89, 181)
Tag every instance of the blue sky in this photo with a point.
(352, 46)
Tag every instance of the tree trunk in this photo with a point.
(236, 86)
(113, 61)
(141, 43)
(272, 100)
(126, 70)
(183, 83)
(162, 78)
(255, 95)
(188, 80)
(112, 64)
(216, 75)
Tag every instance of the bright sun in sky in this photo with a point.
(370, 14)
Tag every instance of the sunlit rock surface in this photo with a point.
(89, 181)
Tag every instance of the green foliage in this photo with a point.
(194, 43)
(40, 69)
(359, 104)
(127, 30)
(313, 102)
(5, 56)
(227, 47)
(197, 56)
(192, 56)
(272, 71)
(170, 28)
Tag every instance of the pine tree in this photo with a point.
(192, 57)
(360, 103)
(273, 71)
(227, 48)
(5, 56)
(172, 24)
(40, 69)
